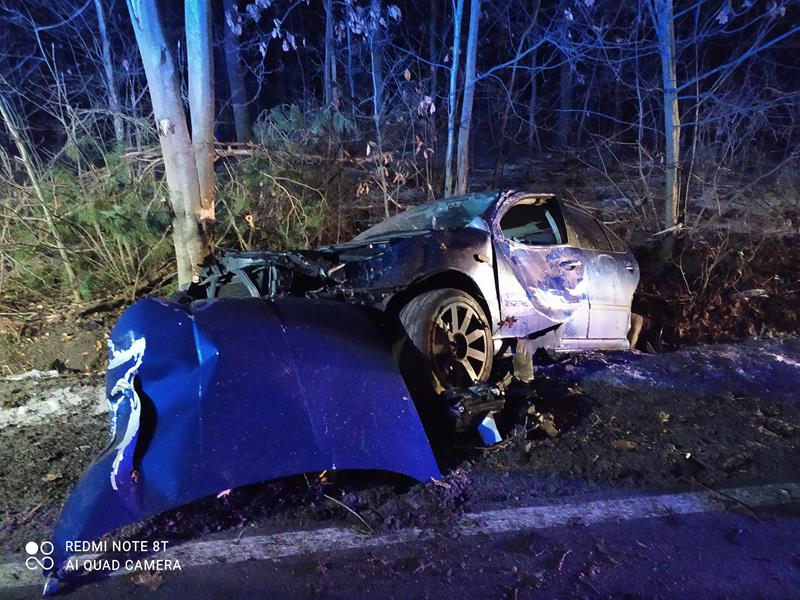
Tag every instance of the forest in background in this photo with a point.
(285, 124)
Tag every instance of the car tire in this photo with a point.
(450, 331)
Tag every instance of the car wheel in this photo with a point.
(450, 330)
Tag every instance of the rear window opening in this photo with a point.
(534, 222)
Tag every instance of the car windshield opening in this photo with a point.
(457, 211)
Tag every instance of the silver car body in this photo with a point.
(559, 278)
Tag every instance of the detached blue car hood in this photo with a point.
(228, 392)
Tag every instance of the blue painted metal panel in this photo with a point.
(229, 392)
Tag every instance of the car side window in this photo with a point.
(535, 223)
(590, 234)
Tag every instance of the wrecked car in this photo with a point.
(278, 363)
(469, 278)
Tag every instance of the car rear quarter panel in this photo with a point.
(401, 263)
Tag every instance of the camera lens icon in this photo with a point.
(33, 550)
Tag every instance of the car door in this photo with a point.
(541, 277)
(612, 275)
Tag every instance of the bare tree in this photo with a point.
(512, 88)
(235, 73)
(329, 78)
(533, 104)
(376, 63)
(467, 100)
(191, 225)
(564, 103)
(433, 50)
(452, 99)
(200, 61)
(663, 21)
(108, 69)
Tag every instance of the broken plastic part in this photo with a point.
(224, 393)
(488, 431)
(467, 405)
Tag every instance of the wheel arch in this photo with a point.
(449, 278)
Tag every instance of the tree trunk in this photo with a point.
(351, 83)
(640, 129)
(432, 49)
(200, 63)
(236, 83)
(330, 59)
(533, 131)
(452, 99)
(512, 87)
(586, 97)
(616, 126)
(466, 102)
(335, 87)
(432, 129)
(665, 32)
(191, 245)
(376, 61)
(108, 69)
(564, 104)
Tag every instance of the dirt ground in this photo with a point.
(46, 338)
(709, 416)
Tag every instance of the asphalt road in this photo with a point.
(738, 543)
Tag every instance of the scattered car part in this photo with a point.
(467, 406)
(637, 322)
(223, 393)
(527, 266)
(488, 431)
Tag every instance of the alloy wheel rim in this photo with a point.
(461, 344)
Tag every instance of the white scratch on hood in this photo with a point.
(123, 389)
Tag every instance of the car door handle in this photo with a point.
(569, 265)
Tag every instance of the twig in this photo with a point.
(241, 531)
(351, 511)
(120, 299)
(585, 581)
(729, 497)
(31, 512)
(563, 558)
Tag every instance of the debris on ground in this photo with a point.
(714, 408)
(487, 429)
(468, 406)
(150, 580)
(546, 422)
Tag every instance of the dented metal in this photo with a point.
(301, 386)
(571, 292)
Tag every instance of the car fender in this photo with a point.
(410, 264)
